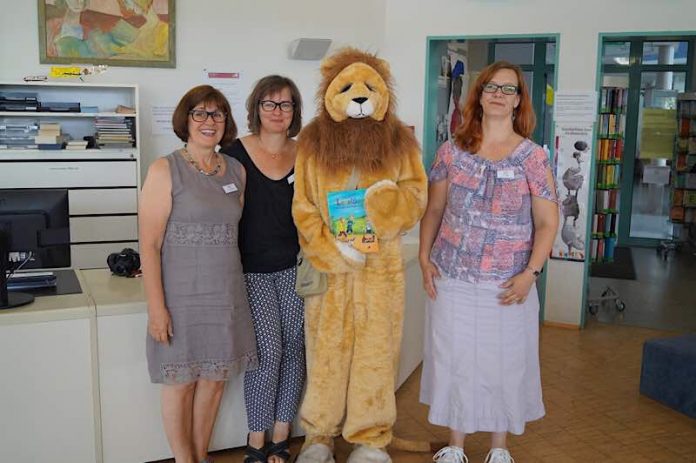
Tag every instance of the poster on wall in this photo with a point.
(572, 170)
(230, 84)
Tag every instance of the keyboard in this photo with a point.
(31, 280)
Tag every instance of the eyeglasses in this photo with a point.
(270, 105)
(507, 89)
(201, 115)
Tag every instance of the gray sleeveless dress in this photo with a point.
(203, 281)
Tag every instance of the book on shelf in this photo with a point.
(348, 220)
(46, 139)
(121, 109)
(76, 145)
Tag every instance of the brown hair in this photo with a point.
(469, 134)
(265, 86)
(207, 95)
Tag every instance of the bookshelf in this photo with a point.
(42, 130)
(608, 163)
(683, 206)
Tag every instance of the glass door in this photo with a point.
(654, 70)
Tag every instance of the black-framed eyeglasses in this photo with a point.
(201, 115)
(507, 89)
(270, 105)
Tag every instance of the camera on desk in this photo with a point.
(125, 263)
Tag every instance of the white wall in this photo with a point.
(250, 36)
(409, 22)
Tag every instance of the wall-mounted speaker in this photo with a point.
(308, 49)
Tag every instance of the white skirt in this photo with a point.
(481, 359)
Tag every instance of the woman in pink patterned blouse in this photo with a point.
(489, 226)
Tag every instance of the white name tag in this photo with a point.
(229, 188)
(505, 173)
(291, 179)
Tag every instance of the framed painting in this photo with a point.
(112, 32)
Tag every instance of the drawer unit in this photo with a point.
(105, 201)
(61, 174)
(107, 228)
(103, 181)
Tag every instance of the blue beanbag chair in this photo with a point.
(668, 372)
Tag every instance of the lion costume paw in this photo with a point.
(364, 454)
(351, 254)
(316, 453)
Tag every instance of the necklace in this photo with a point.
(273, 156)
(193, 162)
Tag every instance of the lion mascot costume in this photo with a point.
(353, 330)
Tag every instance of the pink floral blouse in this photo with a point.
(487, 230)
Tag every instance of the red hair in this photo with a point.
(469, 134)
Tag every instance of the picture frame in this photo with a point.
(133, 33)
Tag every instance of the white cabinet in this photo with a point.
(130, 404)
(47, 411)
(414, 318)
(102, 184)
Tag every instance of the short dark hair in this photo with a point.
(207, 95)
(265, 86)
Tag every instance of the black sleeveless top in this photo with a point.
(267, 234)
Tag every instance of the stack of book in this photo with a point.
(19, 101)
(49, 136)
(18, 134)
(114, 132)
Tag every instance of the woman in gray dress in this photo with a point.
(199, 324)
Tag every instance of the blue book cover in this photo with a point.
(348, 220)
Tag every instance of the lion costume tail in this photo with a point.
(408, 445)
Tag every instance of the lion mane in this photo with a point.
(368, 144)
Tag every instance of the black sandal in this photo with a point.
(254, 455)
(279, 449)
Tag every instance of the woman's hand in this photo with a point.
(517, 288)
(159, 325)
(430, 273)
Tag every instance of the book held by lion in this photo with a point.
(348, 220)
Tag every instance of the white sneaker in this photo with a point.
(499, 456)
(450, 454)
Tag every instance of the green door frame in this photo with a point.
(600, 70)
(432, 71)
(635, 69)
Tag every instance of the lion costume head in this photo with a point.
(355, 123)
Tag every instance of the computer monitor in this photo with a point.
(38, 226)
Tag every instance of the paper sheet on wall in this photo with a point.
(657, 175)
(575, 105)
(230, 84)
(161, 120)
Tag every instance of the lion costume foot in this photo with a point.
(363, 454)
(316, 453)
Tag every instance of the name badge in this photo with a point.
(291, 179)
(229, 188)
(505, 173)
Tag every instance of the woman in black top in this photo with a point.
(269, 246)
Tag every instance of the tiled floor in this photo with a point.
(594, 410)
(662, 296)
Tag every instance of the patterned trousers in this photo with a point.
(273, 391)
